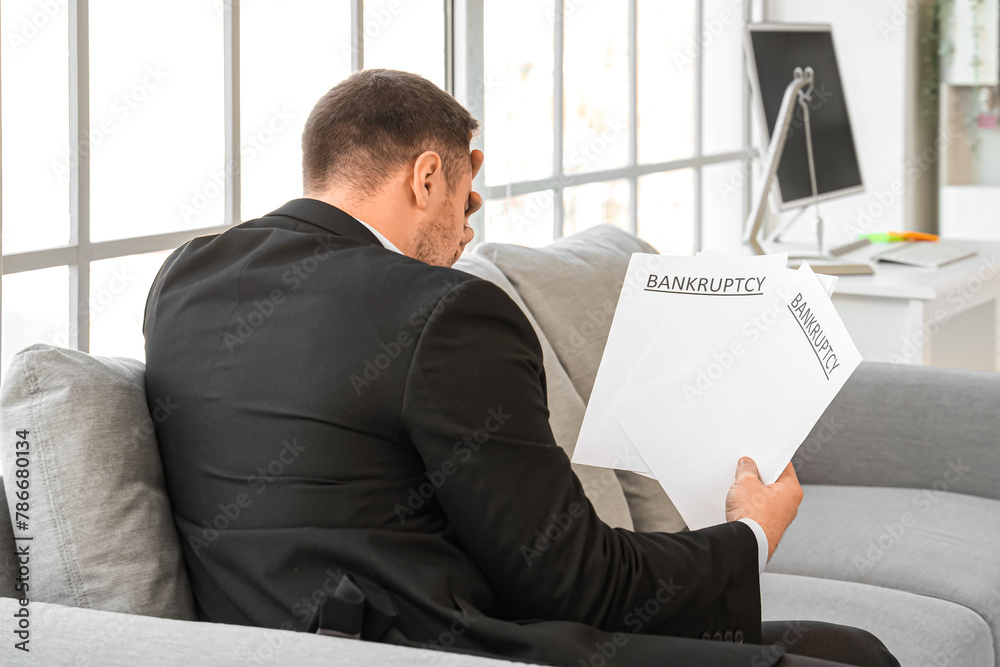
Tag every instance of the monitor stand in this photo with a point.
(797, 92)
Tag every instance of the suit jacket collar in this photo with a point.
(328, 217)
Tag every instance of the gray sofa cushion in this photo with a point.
(565, 407)
(571, 288)
(61, 636)
(8, 563)
(917, 629)
(103, 535)
(924, 541)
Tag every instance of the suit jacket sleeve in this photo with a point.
(476, 410)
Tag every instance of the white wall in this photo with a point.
(876, 43)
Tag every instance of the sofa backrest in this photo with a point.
(570, 288)
(566, 408)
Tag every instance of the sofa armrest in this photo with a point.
(909, 426)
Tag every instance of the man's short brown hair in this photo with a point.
(374, 122)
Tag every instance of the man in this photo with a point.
(362, 446)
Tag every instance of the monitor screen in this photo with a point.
(775, 51)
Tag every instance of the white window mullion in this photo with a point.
(746, 100)
(1, 217)
(633, 113)
(757, 11)
(470, 84)
(558, 110)
(357, 35)
(449, 46)
(699, 61)
(36, 260)
(231, 64)
(79, 174)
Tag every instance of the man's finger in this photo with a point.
(474, 204)
(477, 161)
(788, 475)
(746, 468)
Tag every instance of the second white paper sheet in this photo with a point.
(648, 312)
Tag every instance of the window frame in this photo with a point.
(633, 170)
(465, 79)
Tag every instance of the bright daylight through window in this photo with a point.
(130, 127)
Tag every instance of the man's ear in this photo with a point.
(427, 180)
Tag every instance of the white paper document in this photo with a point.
(641, 309)
(711, 358)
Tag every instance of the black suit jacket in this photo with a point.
(362, 448)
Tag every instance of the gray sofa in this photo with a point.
(899, 531)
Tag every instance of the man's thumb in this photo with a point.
(746, 468)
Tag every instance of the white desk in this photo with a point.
(939, 317)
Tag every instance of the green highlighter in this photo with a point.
(883, 237)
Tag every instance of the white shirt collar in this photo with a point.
(382, 239)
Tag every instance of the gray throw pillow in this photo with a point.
(572, 286)
(8, 561)
(565, 408)
(103, 535)
(571, 289)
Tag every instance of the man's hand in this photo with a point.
(773, 506)
(475, 201)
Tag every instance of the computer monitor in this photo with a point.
(774, 51)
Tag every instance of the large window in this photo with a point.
(128, 128)
(613, 111)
